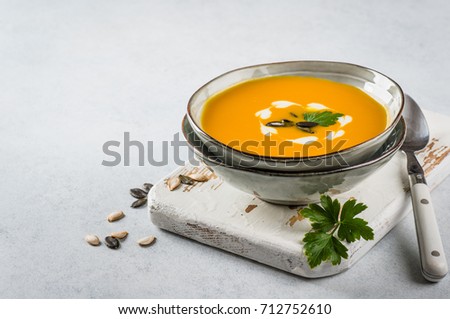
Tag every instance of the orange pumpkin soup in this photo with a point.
(292, 116)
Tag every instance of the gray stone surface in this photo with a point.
(75, 74)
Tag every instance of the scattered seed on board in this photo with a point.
(173, 183)
(112, 242)
(92, 240)
(146, 241)
(198, 177)
(115, 216)
(147, 186)
(119, 234)
(138, 193)
(186, 180)
(139, 202)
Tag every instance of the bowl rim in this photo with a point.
(295, 159)
(389, 152)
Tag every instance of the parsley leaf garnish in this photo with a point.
(326, 219)
(325, 118)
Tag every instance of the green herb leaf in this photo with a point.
(325, 118)
(320, 246)
(321, 219)
(352, 228)
(320, 243)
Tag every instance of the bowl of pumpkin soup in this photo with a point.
(296, 116)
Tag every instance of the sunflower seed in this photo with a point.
(115, 216)
(293, 114)
(282, 123)
(138, 203)
(112, 242)
(198, 177)
(186, 180)
(92, 240)
(138, 193)
(147, 186)
(173, 183)
(119, 234)
(146, 241)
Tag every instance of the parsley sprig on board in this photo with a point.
(331, 224)
(325, 118)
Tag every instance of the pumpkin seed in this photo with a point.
(282, 123)
(146, 241)
(139, 202)
(198, 177)
(147, 186)
(138, 193)
(305, 129)
(115, 216)
(112, 242)
(92, 240)
(119, 234)
(306, 126)
(186, 180)
(173, 183)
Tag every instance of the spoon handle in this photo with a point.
(432, 256)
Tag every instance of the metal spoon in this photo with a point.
(432, 257)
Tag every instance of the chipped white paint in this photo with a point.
(216, 214)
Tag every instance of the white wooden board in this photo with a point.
(216, 214)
